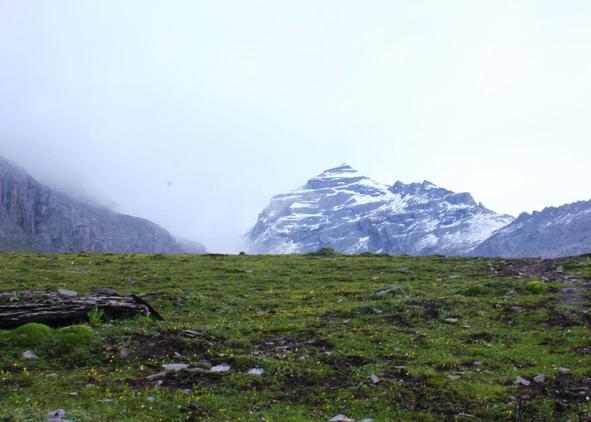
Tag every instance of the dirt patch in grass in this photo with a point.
(582, 350)
(161, 345)
(484, 337)
(344, 362)
(562, 390)
(181, 380)
(549, 270)
(285, 344)
(558, 319)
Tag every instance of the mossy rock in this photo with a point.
(536, 287)
(31, 334)
(75, 335)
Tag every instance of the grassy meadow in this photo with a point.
(368, 336)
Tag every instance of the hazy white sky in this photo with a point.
(194, 113)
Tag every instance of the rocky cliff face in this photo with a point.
(351, 213)
(36, 218)
(551, 233)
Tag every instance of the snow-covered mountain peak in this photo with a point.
(343, 209)
(344, 170)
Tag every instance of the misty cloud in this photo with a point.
(193, 114)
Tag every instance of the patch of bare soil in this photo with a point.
(284, 344)
(162, 345)
(562, 390)
(551, 270)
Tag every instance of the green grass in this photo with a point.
(445, 336)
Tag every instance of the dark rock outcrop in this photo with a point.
(34, 217)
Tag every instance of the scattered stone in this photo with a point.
(73, 394)
(390, 290)
(156, 376)
(256, 371)
(67, 293)
(540, 378)
(191, 334)
(29, 354)
(522, 381)
(199, 371)
(477, 363)
(57, 416)
(204, 364)
(564, 371)
(220, 368)
(374, 378)
(175, 367)
(124, 352)
(453, 377)
(366, 420)
(341, 418)
(451, 320)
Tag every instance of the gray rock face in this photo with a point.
(35, 218)
(351, 213)
(551, 233)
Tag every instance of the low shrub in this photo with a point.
(536, 287)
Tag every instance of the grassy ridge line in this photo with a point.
(445, 337)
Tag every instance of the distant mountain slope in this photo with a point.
(351, 213)
(35, 218)
(551, 233)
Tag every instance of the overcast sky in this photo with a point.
(194, 113)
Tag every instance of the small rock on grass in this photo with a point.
(453, 377)
(57, 416)
(522, 381)
(204, 364)
(256, 372)
(341, 418)
(374, 378)
(564, 371)
(29, 354)
(220, 368)
(67, 293)
(451, 320)
(191, 334)
(175, 367)
(540, 378)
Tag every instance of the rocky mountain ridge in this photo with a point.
(33, 217)
(551, 233)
